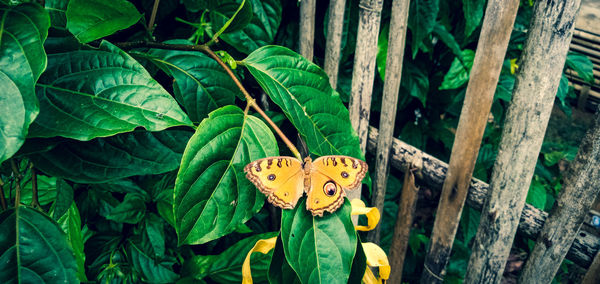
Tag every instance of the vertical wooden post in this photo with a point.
(527, 116)
(491, 48)
(593, 273)
(363, 72)
(391, 87)
(582, 185)
(335, 27)
(307, 28)
(404, 220)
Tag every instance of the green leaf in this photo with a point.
(260, 31)
(154, 232)
(536, 196)
(506, 82)
(562, 94)
(421, 20)
(582, 65)
(212, 194)
(151, 270)
(57, 10)
(230, 17)
(359, 264)
(164, 205)
(458, 73)
(23, 30)
(280, 270)
(469, 223)
(95, 93)
(226, 267)
(107, 159)
(89, 20)
(448, 39)
(70, 223)
(473, 11)
(415, 82)
(64, 198)
(46, 190)
(319, 249)
(301, 89)
(131, 210)
(201, 85)
(34, 249)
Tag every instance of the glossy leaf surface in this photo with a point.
(106, 159)
(93, 19)
(319, 249)
(301, 89)
(95, 93)
(200, 84)
(212, 194)
(34, 249)
(70, 223)
(23, 31)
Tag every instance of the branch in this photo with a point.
(205, 49)
(2, 199)
(18, 177)
(34, 188)
(153, 16)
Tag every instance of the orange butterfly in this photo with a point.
(284, 179)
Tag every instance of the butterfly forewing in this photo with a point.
(279, 178)
(346, 171)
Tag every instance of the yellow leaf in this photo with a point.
(513, 66)
(376, 258)
(372, 214)
(262, 246)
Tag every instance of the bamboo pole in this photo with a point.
(307, 28)
(491, 48)
(335, 28)
(431, 172)
(404, 221)
(391, 87)
(363, 72)
(581, 186)
(527, 117)
(593, 273)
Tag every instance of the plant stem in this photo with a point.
(153, 16)
(34, 188)
(2, 199)
(207, 50)
(18, 177)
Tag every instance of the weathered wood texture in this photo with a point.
(391, 87)
(307, 28)
(431, 172)
(581, 186)
(404, 220)
(363, 72)
(526, 120)
(491, 49)
(593, 273)
(335, 28)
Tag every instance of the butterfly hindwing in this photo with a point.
(324, 194)
(279, 178)
(346, 171)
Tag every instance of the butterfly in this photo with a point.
(285, 179)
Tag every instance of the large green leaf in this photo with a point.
(448, 39)
(226, 267)
(23, 30)
(95, 93)
(46, 187)
(57, 10)
(106, 159)
(301, 89)
(260, 31)
(582, 65)
(459, 71)
(212, 196)
(473, 11)
(93, 19)
(70, 223)
(131, 210)
(34, 249)
(280, 270)
(319, 249)
(230, 17)
(201, 85)
(421, 20)
(151, 270)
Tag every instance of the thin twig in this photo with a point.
(2, 199)
(18, 177)
(34, 188)
(153, 16)
(213, 55)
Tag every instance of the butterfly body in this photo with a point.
(285, 179)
